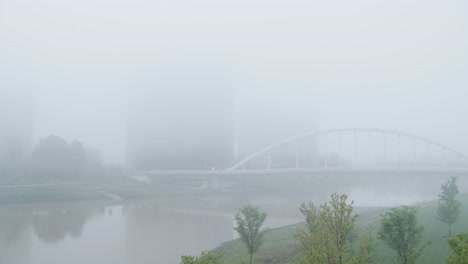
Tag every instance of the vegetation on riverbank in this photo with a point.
(280, 246)
(74, 192)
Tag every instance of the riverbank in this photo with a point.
(280, 246)
(276, 192)
(76, 191)
(104, 189)
(200, 211)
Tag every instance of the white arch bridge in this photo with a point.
(345, 151)
(355, 148)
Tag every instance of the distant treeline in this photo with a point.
(53, 159)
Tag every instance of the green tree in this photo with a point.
(366, 244)
(327, 227)
(448, 208)
(52, 157)
(55, 159)
(248, 223)
(401, 232)
(459, 246)
(204, 258)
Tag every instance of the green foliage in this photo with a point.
(248, 223)
(366, 247)
(52, 160)
(280, 245)
(401, 232)
(327, 226)
(448, 209)
(54, 157)
(459, 246)
(204, 258)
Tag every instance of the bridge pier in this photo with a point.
(326, 150)
(297, 155)
(269, 160)
(355, 150)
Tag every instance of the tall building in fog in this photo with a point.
(189, 116)
(16, 123)
(182, 118)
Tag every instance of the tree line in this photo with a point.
(52, 159)
(328, 231)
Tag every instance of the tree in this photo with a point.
(52, 157)
(59, 222)
(55, 159)
(204, 258)
(327, 228)
(367, 244)
(248, 223)
(459, 246)
(448, 208)
(401, 232)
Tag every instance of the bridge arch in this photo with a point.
(268, 149)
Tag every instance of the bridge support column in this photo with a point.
(429, 154)
(355, 150)
(398, 164)
(340, 155)
(444, 157)
(369, 138)
(297, 155)
(269, 160)
(326, 150)
(384, 136)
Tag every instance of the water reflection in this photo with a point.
(21, 225)
(137, 232)
(54, 224)
(161, 230)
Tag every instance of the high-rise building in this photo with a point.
(15, 123)
(191, 117)
(183, 120)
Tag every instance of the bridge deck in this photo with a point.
(336, 170)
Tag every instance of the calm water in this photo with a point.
(139, 232)
(157, 230)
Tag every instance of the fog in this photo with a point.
(174, 85)
(398, 65)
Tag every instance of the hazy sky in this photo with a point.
(398, 64)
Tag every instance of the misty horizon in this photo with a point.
(175, 131)
(398, 66)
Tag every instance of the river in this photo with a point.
(160, 230)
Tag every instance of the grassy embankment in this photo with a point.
(92, 189)
(75, 191)
(280, 245)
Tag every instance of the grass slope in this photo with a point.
(280, 245)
